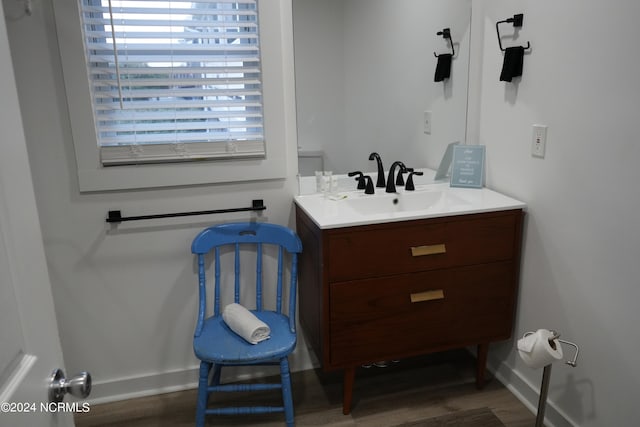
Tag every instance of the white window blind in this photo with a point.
(174, 80)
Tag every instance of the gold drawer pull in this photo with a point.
(428, 250)
(427, 295)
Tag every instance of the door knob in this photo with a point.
(78, 386)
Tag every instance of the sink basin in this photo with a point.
(429, 201)
(388, 203)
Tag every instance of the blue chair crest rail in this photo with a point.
(214, 343)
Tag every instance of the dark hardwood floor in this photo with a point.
(409, 390)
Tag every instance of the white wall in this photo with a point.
(580, 271)
(126, 296)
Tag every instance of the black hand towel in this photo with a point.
(443, 67)
(512, 66)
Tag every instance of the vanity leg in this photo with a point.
(481, 364)
(347, 389)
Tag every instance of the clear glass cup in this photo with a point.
(319, 182)
(326, 182)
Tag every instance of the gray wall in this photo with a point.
(580, 271)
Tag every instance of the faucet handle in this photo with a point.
(369, 187)
(400, 179)
(410, 186)
(359, 178)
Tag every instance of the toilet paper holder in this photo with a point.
(556, 336)
(546, 374)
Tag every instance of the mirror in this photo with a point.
(365, 78)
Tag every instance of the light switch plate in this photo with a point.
(539, 141)
(427, 122)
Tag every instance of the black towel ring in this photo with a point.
(446, 34)
(517, 22)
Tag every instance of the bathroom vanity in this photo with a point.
(391, 276)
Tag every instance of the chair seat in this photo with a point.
(219, 344)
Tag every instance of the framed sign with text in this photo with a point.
(467, 166)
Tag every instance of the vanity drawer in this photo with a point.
(375, 319)
(372, 251)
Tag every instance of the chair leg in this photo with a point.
(203, 393)
(215, 379)
(286, 391)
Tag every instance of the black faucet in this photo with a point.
(376, 156)
(399, 178)
(364, 182)
(391, 187)
(360, 178)
(410, 186)
(369, 186)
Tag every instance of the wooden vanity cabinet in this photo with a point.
(394, 290)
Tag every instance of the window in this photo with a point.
(158, 84)
(174, 80)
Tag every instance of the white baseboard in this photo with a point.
(178, 380)
(527, 393)
(143, 385)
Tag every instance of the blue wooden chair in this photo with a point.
(215, 344)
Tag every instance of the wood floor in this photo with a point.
(403, 392)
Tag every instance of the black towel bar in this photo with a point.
(517, 23)
(116, 216)
(446, 34)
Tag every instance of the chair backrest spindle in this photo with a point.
(259, 276)
(292, 291)
(279, 291)
(216, 291)
(236, 272)
(202, 307)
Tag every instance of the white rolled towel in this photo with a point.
(245, 323)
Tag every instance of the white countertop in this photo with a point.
(351, 208)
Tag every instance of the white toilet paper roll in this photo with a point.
(537, 351)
